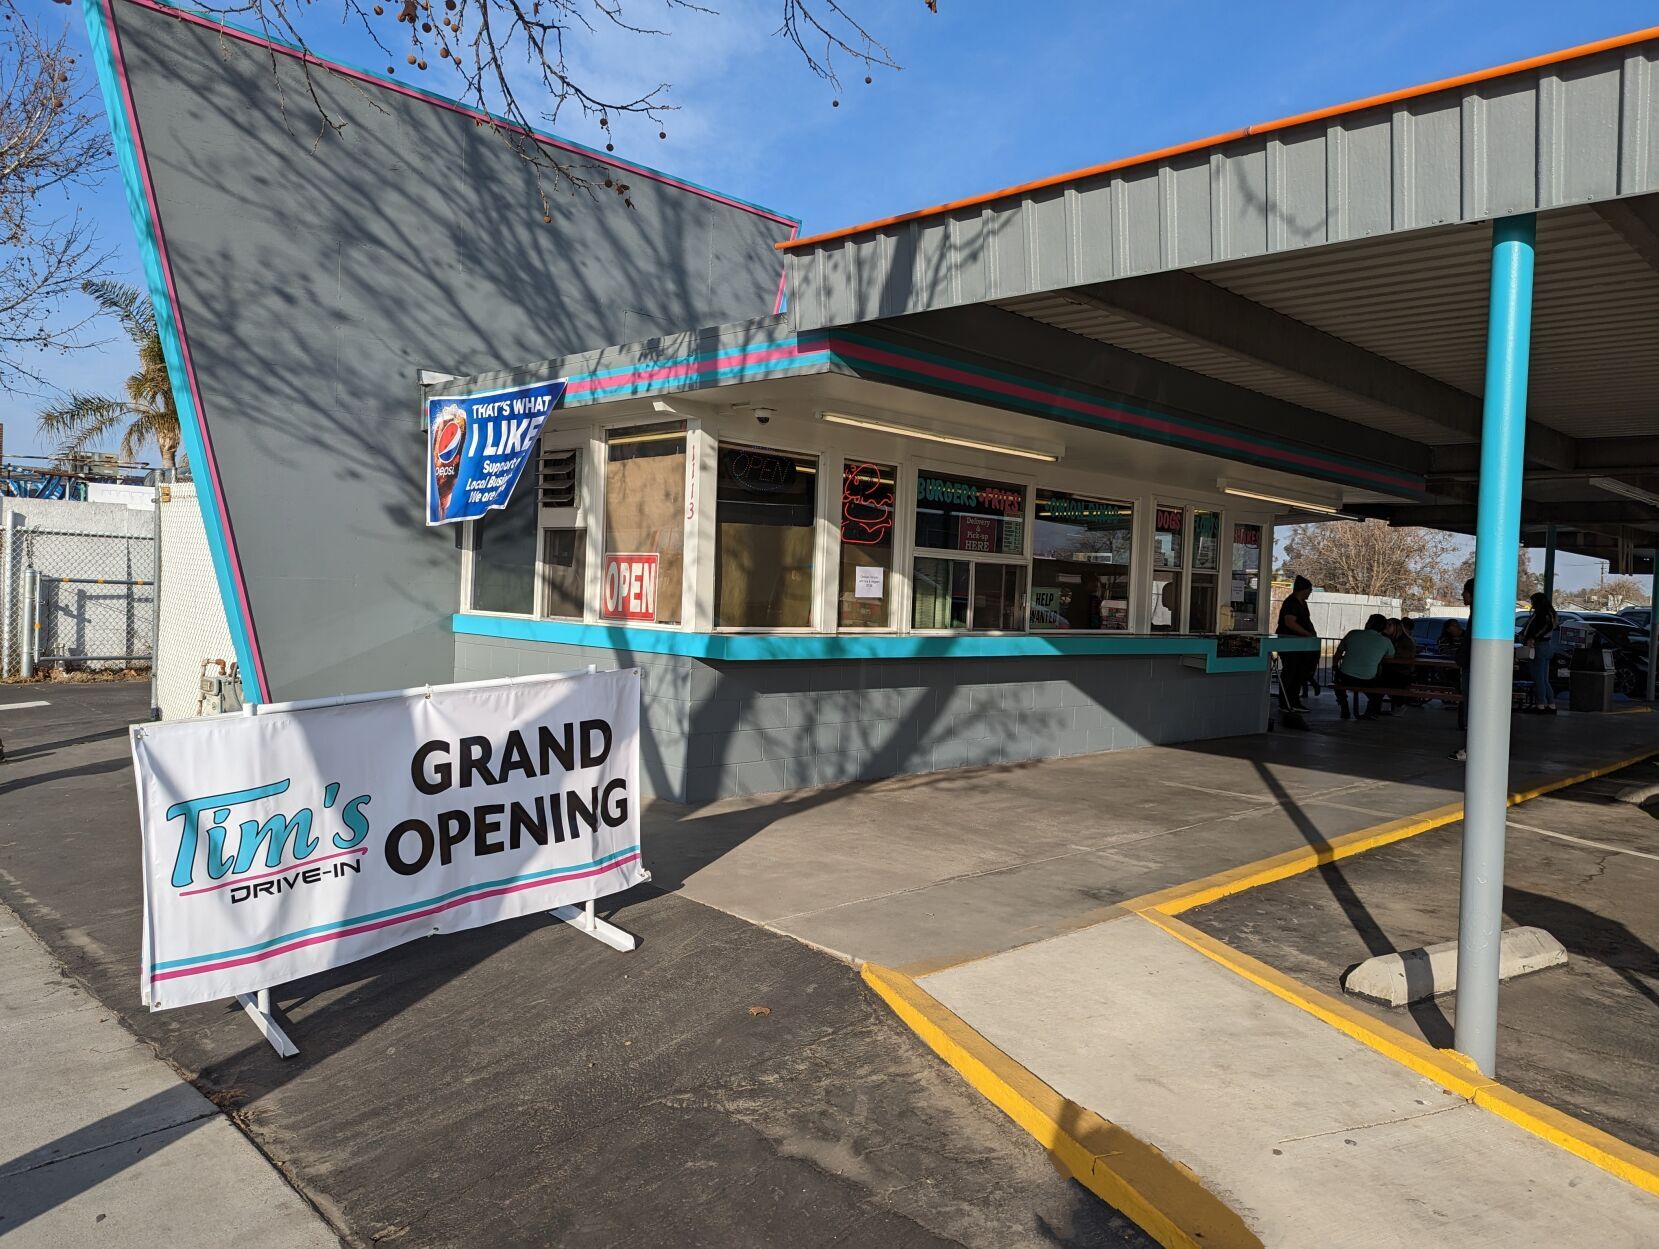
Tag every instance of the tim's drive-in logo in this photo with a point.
(478, 445)
(317, 842)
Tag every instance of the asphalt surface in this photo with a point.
(524, 1085)
(1582, 865)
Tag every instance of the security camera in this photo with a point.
(763, 415)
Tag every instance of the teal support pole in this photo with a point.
(1549, 564)
(1492, 630)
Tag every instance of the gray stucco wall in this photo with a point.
(317, 271)
(712, 730)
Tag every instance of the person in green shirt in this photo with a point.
(1359, 658)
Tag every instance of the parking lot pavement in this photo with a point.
(1580, 864)
(522, 1084)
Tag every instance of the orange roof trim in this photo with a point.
(1198, 145)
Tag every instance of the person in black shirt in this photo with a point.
(1296, 667)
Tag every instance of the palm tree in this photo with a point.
(147, 412)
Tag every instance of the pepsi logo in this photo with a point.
(448, 445)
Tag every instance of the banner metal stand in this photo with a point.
(258, 1006)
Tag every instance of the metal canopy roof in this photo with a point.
(1335, 263)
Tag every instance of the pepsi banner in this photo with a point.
(477, 445)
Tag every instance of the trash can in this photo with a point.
(1591, 679)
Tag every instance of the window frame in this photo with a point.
(1135, 510)
(916, 466)
(718, 438)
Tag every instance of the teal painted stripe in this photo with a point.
(789, 647)
(388, 913)
(813, 362)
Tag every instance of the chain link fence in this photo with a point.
(75, 597)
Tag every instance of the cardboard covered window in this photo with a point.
(766, 503)
(644, 524)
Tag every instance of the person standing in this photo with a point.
(1296, 668)
(1539, 636)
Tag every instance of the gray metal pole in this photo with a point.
(28, 622)
(155, 614)
(1652, 626)
(8, 550)
(1549, 564)
(1492, 630)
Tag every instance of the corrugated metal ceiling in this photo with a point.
(1419, 298)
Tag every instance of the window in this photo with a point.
(1245, 596)
(866, 589)
(964, 514)
(1080, 562)
(564, 564)
(504, 552)
(644, 523)
(968, 594)
(1168, 538)
(984, 518)
(1206, 572)
(766, 503)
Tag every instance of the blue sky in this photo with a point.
(984, 99)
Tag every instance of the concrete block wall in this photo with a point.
(716, 729)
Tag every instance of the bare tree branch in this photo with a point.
(52, 139)
(483, 46)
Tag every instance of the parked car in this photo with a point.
(1426, 631)
(1641, 617)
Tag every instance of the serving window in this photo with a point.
(766, 506)
(970, 567)
(1205, 588)
(1168, 557)
(1081, 563)
(1245, 594)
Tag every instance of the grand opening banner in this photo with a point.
(477, 447)
(281, 844)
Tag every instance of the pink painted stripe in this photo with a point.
(783, 274)
(324, 938)
(686, 370)
(874, 355)
(455, 106)
(184, 345)
(281, 871)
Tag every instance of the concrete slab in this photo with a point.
(102, 1143)
(1582, 1037)
(1316, 1140)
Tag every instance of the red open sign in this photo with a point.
(629, 589)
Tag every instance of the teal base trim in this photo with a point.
(774, 647)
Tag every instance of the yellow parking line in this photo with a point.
(1163, 1196)
(1212, 888)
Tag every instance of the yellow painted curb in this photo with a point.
(1161, 1195)
(1452, 1071)
(1212, 888)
